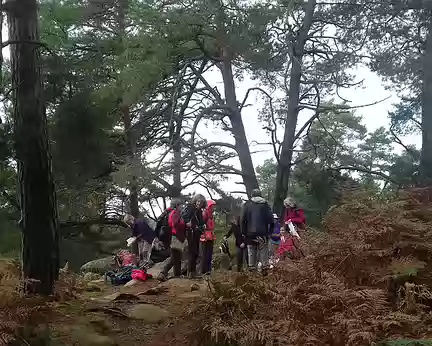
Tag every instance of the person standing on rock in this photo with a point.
(178, 241)
(293, 214)
(207, 238)
(193, 219)
(256, 226)
(296, 216)
(163, 230)
(144, 235)
(241, 250)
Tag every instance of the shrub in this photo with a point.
(367, 278)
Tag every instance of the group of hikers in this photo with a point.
(260, 239)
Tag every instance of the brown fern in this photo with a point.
(340, 294)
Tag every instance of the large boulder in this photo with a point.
(156, 269)
(111, 246)
(84, 336)
(90, 276)
(100, 266)
(178, 286)
(148, 313)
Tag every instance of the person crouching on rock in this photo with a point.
(193, 219)
(178, 242)
(207, 238)
(241, 250)
(144, 235)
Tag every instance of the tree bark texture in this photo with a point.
(133, 184)
(177, 183)
(284, 166)
(249, 177)
(426, 151)
(123, 6)
(40, 251)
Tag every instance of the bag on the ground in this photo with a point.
(120, 276)
(140, 275)
(124, 258)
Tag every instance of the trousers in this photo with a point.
(258, 251)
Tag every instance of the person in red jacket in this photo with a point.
(207, 238)
(178, 243)
(293, 213)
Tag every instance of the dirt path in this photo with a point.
(148, 313)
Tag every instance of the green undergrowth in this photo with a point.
(406, 342)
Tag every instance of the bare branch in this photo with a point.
(365, 170)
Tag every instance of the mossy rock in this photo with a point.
(100, 266)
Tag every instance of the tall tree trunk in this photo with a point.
(249, 177)
(284, 166)
(123, 6)
(177, 184)
(40, 251)
(133, 184)
(426, 151)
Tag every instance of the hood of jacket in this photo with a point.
(259, 200)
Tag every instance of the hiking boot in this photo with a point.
(161, 277)
(192, 276)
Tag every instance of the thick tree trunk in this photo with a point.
(284, 166)
(40, 253)
(426, 152)
(123, 6)
(177, 183)
(133, 184)
(249, 177)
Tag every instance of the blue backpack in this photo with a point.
(120, 276)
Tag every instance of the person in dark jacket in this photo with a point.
(178, 244)
(241, 250)
(144, 235)
(163, 230)
(192, 216)
(256, 226)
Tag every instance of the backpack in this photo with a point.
(120, 276)
(124, 258)
(163, 230)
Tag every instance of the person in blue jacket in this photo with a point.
(144, 235)
(275, 237)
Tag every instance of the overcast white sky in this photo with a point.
(372, 90)
(374, 116)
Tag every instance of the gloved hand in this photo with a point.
(242, 245)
